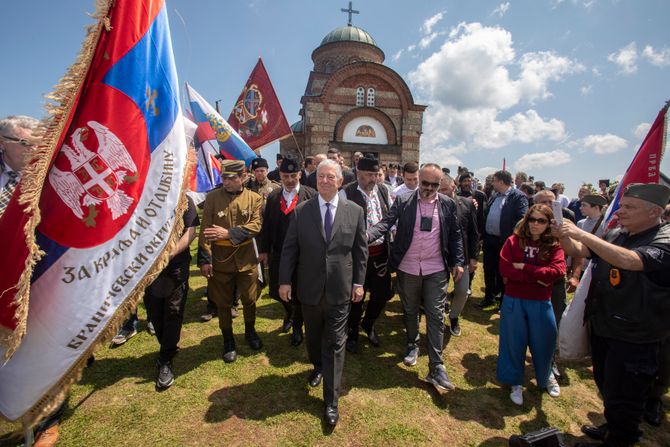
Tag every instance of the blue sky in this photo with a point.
(563, 90)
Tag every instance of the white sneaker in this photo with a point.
(553, 389)
(517, 394)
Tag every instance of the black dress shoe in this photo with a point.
(653, 412)
(287, 325)
(314, 378)
(331, 415)
(372, 336)
(296, 336)
(352, 345)
(595, 432)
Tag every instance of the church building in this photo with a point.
(353, 102)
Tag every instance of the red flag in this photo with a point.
(257, 115)
(646, 165)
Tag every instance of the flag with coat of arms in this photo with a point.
(108, 185)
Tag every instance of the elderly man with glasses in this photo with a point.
(428, 245)
(16, 138)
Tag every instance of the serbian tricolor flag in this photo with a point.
(213, 136)
(645, 167)
(257, 115)
(110, 204)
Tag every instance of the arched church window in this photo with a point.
(371, 97)
(360, 96)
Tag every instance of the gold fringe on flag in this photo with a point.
(59, 107)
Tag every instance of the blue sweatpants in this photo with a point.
(525, 324)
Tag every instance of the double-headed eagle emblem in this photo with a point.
(95, 177)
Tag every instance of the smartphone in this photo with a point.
(557, 208)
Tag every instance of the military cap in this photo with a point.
(368, 164)
(289, 166)
(594, 199)
(259, 163)
(231, 168)
(650, 192)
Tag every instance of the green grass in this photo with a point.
(263, 398)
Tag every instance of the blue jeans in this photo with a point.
(525, 324)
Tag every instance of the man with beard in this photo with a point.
(375, 203)
(280, 206)
(427, 246)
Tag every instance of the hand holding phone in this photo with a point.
(557, 208)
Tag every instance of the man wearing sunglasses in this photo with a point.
(427, 243)
(16, 134)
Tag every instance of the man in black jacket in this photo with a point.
(375, 203)
(505, 208)
(280, 205)
(428, 242)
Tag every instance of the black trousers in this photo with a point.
(624, 373)
(165, 300)
(558, 299)
(493, 282)
(293, 308)
(326, 335)
(662, 380)
(378, 283)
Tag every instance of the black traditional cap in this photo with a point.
(650, 192)
(259, 163)
(368, 164)
(605, 181)
(289, 166)
(446, 171)
(279, 156)
(594, 199)
(231, 168)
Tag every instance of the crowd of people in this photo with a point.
(322, 236)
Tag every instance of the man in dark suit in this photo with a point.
(335, 155)
(276, 218)
(311, 179)
(327, 246)
(505, 208)
(393, 177)
(274, 174)
(374, 199)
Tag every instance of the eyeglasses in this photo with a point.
(21, 141)
(426, 184)
(539, 220)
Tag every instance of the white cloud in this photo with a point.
(604, 144)
(444, 156)
(468, 108)
(501, 9)
(586, 4)
(397, 55)
(625, 58)
(659, 58)
(540, 160)
(427, 40)
(586, 89)
(641, 130)
(429, 23)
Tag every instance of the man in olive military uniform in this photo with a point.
(231, 218)
(260, 183)
(627, 306)
(276, 217)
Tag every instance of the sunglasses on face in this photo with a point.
(538, 220)
(426, 184)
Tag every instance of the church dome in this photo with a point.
(349, 33)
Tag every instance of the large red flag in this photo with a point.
(257, 115)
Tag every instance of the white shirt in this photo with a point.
(289, 195)
(400, 190)
(333, 207)
(565, 200)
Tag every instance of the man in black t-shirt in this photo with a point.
(165, 298)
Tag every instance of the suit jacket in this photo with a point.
(467, 219)
(272, 235)
(311, 180)
(403, 214)
(513, 210)
(326, 270)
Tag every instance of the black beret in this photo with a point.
(259, 163)
(368, 164)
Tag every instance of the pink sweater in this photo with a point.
(535, 280)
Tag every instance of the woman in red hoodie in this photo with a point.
(531, 260)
